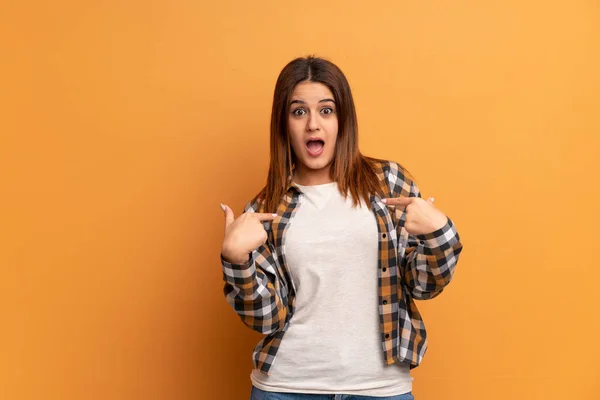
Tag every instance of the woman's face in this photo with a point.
(313, 128)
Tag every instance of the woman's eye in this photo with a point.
(327, 110)
(299, 112)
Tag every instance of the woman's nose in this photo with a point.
(313, 123)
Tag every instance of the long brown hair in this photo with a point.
(352, 171)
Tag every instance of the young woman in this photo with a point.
(329, 258)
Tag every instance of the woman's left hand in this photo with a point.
(421, 215)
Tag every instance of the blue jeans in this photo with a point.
(258, 394)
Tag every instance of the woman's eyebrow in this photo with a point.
(320, 101)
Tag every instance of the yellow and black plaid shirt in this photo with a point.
(410, 267)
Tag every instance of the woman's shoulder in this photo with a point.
(394, 176)
(391, 169)
(257, 203)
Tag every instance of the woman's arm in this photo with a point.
(253, 289)
(430, 259)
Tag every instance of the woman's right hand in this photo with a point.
(243, 235)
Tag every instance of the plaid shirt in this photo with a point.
(410, 267)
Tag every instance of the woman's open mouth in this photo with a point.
(315, 146)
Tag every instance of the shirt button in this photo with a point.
(387, 335)
(384, 235)
(384, 269)
(384, 302)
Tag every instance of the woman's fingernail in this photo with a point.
(223, 207)
(275, 215)
(384, 201)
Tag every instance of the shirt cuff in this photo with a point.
(239, 274)
(440, 240)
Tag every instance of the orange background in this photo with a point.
(125, 123)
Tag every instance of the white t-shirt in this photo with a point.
(333, 343)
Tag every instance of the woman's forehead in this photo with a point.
(311, 92)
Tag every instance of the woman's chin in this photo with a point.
(316, 164)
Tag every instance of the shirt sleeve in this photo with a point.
(429, 261)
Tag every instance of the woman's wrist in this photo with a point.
(233, 257)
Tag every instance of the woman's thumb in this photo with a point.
(229, 217)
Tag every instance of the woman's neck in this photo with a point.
(307, 177)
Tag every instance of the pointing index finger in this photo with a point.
(398, 201)
(265, 216)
